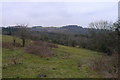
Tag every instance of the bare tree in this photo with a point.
(117, 30)
(101, 25)
(102, 36)
(117, 27)
(22, 32)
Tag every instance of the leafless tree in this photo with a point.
(117, 27)
(103, 36)
(22, 32)
(101, 25)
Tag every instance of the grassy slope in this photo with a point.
(62, 65)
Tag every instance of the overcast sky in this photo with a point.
(57, 13)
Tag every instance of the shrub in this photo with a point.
(106, 65)
(17, 44)
(43, 49)
(10, 45)
(7, 45)
(52, 45)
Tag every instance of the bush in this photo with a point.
(10, 45)
(43, 49)
(106, 65)
(7, 45)
(52, 45)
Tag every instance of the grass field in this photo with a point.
(67, 62)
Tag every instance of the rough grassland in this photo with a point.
(63, 64)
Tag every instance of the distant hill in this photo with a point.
(72, 26)
(68, 29)
(36, 26)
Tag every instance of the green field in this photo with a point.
(67, 62)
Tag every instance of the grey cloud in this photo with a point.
(57, 13)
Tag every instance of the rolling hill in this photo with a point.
(67, 62)
(69, 29)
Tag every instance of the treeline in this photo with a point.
(102, 37)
